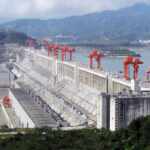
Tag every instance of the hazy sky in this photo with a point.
(12, 9)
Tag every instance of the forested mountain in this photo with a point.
(130, 23)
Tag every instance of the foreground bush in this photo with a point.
(135, 137)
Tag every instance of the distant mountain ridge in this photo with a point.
(132, 23)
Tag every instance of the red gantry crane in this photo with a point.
(63, 52)
(97, 56)
(66, 49)
(55, 49)
(128, 61)
(52, 48)
(49, 47)
(135, 62)
(71, 50)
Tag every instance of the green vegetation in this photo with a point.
(9, 36)
(135, 137)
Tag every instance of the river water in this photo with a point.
(115, 64)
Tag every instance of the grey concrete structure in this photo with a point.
(3, 121)
(119, 110)
(3, 92)
(4, 76)
(126, 108)
(36, 113)
(74, 91)
(103, 111)
(13, 118)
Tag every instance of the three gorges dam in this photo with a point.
(47, 91)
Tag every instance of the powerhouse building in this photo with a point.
(119, 110)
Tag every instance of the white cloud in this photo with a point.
(13, 9)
